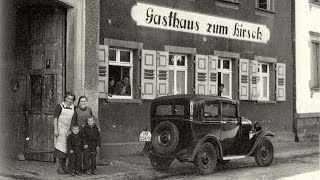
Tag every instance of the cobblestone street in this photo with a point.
(138, 167)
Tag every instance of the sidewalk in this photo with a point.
(135, 167)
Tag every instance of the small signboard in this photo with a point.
(145, 136)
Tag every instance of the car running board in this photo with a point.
(233, 157)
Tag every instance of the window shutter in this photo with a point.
(148, 74)
(162, 73)
(244, 79)
(201, 81)
(253, 80)
(281, 82)
(213, 75)
(103, 70)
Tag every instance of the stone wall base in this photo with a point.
(307, 127)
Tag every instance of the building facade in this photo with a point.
(190, 46)
(307, 48)
(158, 47)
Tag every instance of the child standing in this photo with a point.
(74, 145)
(92, 142)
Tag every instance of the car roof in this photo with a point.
(195, 97)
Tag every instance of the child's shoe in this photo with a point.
(78, 173)
(87, 172)
(72, 173)
(93, 171)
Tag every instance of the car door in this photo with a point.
(208, 121)
(230, 128)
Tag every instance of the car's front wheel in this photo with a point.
(264, 152)
(160, 163)
(206, 159)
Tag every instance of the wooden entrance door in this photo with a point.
(40, 56)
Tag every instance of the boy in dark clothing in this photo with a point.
(92, 142)
(74, 145)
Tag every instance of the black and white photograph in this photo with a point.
(160, 89)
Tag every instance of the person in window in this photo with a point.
(220, 89)
(111, 90)
(123, 87)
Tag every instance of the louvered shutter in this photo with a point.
(148, 74)
(103, 71)
(201, 81)
(162, 73)
(213, 75)
(244, 79)
(281, 82)
(253, 80)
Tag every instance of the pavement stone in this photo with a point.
(138, 167)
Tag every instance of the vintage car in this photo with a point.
(204, 130)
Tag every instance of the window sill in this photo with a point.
(264, 12)
(315, 3)
(228, 4)
(266, 102)
(315, 89)
(134, 101)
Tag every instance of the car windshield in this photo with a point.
(169, 110)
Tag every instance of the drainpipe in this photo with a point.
(293, 19)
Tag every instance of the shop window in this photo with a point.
(263, 81)
(177, 74)
(120, 73)
(225, 76)
(265, 4)
(315, 65)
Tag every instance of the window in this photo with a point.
(229, 110)
(177, 74)
(236, 1)
(211, 110)
(315, 1)
(265, 4)
(263, 81)
(225, 76)
(315, 69)
(169, 110)
(120, 72)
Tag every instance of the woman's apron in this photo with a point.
(64, 122)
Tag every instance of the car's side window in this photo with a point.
(211, 109)
(229, 110)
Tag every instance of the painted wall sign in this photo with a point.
(177, 20)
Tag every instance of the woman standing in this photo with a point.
(83, 111)
(64, 116)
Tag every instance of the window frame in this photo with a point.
(231, 103)
(315, 64)
(223, 71)
(262, 75)
(231, 1)
(175, 68)
(269, 4)
(121, 64)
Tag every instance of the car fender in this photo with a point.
(208, 138)
(257, 138)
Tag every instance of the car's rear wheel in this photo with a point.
(160, 163)
(165, 137)
(206, 159)
(264, 152)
